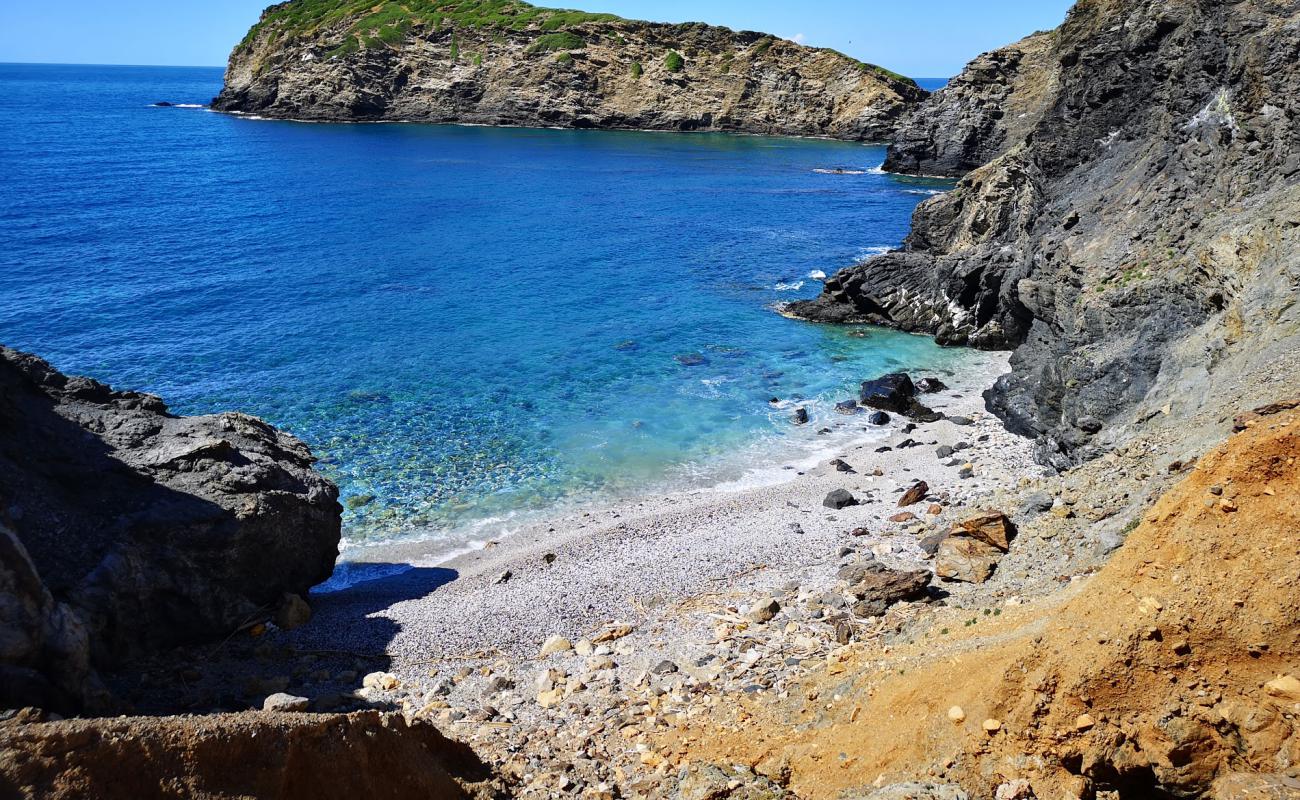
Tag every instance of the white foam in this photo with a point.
(817, 275)
(844, 171)
(789, 287)
(927, 192)
(188, 105)
(872, 252)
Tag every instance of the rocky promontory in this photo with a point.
(517, 64)
(126, 530)
(1134, 239)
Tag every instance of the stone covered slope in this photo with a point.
(520, 65)
(1138, 246)
(1169, 673)
(125, 529)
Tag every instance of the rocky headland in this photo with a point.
(1133, 237)
(512, 63)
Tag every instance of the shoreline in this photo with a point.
(784, 462)
(571, 573)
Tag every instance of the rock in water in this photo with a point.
(914, 495)
(891, 392)
(553, 69)
(930, 385)
(840, 498)
(156, 530)
(800, 416)
(878, 418)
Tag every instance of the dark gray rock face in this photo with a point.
(993, 103)
(596, 74)
(1137, 247)
(151, 530)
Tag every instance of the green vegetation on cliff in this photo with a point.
(389, 22)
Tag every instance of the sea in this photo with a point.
(470, 326)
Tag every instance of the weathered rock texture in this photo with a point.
(994, 103)
(525, 67)
(1137, 246)
(265, 755)
(138, 530)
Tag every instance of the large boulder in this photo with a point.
(153, 530)
(971, 551)
(896, 392)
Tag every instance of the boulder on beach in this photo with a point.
(840, 498)
(895, 392)
(971, 551)
(930, 385)
(148, 529)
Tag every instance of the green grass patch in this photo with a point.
(637, 70)
(763, 46)
(390, 22)
(564, 58)
(673, 62)
(552, 42)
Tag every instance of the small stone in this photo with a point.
(764, 610)
(841, 465)
(991, 726)
(584, 647)
(1084, 722)
(285, 703)
(957, 715)
(612, 633)
(943, 451)
(555, 644)
(914, 495)
(800, 416)
(664, 668)
(838, 499)
(903, 516)
(504, 577)
(961, 421)
(292, 613)
(934, 510)
(1228, 506)
(550, 698)
(381, 681)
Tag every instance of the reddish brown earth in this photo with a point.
(1176, 664)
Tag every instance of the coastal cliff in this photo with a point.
(515, 64)
(1134, 239)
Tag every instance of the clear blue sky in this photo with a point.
(921, 38)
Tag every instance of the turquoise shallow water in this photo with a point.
(464, 323)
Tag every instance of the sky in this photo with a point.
(919, 38)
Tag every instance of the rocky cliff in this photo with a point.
(130, 530)
(1135, 240)
(509, 63)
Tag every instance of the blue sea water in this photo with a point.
(464, 323)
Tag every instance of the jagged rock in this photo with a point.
(1111, 226)
(601, 72)
(800, 416)
(877, 587)
(891, 392)
(841, 465)
(285, 703)
(255, 754)
(972, 550)
(914, 495)
(840, 498)
(44, 646)
(878, 418)
(930, 385)
(157, 530)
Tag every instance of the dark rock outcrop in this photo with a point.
(284, 756)
(136, 530)
(1137, 245)
(992, 104)
(896, 392)
(537, 67)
